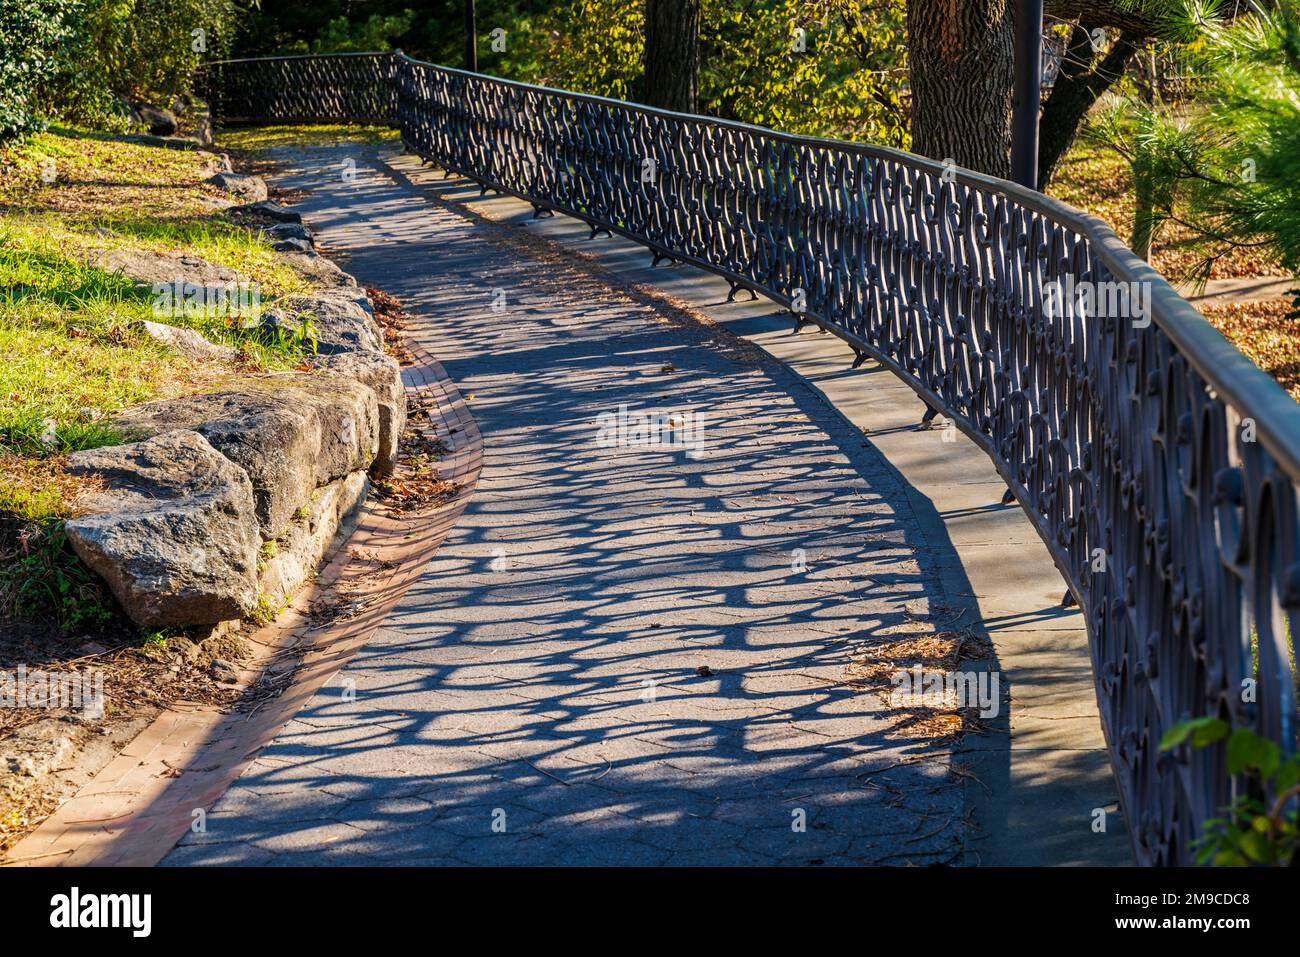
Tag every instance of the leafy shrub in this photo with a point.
(32, 33)
(1260, 826)
(378, 32)
(80, 60)
(127, 49)
(837, 69)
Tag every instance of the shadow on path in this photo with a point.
(628, 654)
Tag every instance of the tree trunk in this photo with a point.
(961, 62)
(1077, 88)
(1145, 220)
(672, 54)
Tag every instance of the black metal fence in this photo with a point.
(1157, 463)
(340, 88)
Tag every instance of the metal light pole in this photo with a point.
(471, 38)
(1027, 94)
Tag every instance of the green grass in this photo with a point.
(71, 358)
(269, 137)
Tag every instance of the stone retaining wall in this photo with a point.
(223, 504)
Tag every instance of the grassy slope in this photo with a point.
(71, 358)
(257, 138)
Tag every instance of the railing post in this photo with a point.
(1027, 94)
(471, 38)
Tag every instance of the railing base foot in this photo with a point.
(1068, 601)
(542, 212)
(800, 321)
(658, 257)
(599, 229)
(1008, 497)
(736, 287)
(858, 359)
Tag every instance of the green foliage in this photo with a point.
(136, 48)
(78, 60)
(294, 340)
(1260, 826)
(32, 33)
(1159, 145)
(1248, 190)
(848, 81)
(267, 610)
(596, 47)
(843, 76)
(1227, 168)
(1176, 21)
(154, 641)
(43, 576)
(377, 32)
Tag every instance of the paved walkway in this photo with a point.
(1222, 292)
(628, 654)
(1038, 784)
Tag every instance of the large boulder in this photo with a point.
(300, 548)
(292, 244)
(174, 533)
(267, 436)
(301, 432)
(159, 121)
(342, 319)
(203, 133)
(347, 414)
(269, 209)
(249, 189)
(320, 271)
(146, 266)
(284, 231)
(383, 376)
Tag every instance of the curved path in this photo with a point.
(622, 654)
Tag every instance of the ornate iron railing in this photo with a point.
(1157, 463)
(335, 87)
